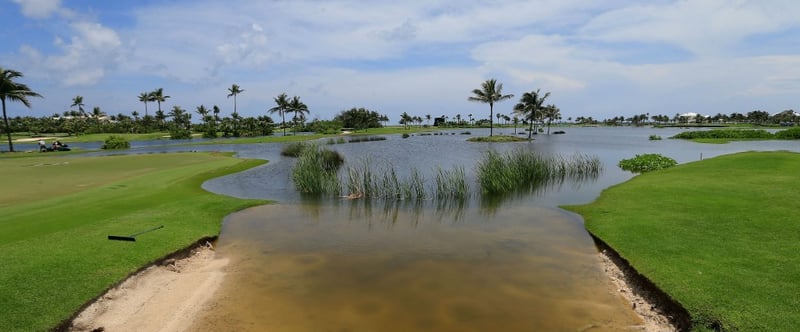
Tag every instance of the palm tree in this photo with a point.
(551, 112)
(489, 93)
(234, 90)
(428, 117)
(158, 97)
(528, 105)
(299, 108)
(97, 113)
(145, 97)
(13, 91)
(282, 104)
(78, 102)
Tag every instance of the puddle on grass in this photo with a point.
(351, 268)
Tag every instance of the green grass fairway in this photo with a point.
(56, 214)
(721, 236)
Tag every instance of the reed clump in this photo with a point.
(359, 139)
(521, 169)
(364, 180)
(316, 171)
(293, 149)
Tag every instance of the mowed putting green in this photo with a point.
(56, 214)
(720, 236)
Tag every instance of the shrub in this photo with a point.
(179, 133)
(793, 133)
(725, 134)
(406, 135)
(646, 163)
(211, 133)
(325, 127)
(655, 138)
(115, 142)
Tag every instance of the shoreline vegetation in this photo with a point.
(55, 227)
(498, 175)
(718, 236)
(728, 135)
(720, 135)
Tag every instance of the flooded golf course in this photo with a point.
(516, 264)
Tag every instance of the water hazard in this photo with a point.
(351, 267)
(520, 264)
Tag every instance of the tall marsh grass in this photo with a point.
(316, 171)
(293, 149)
(451, 184)
(520, 169)
(367, 181)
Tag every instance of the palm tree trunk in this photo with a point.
(530, 129)
(8, 128)
(491, 121)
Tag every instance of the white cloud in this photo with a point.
(705, 28)
(86, 56)
(39, 8)
(423, 56)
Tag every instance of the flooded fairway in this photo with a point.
(347, 267)
(513, 264)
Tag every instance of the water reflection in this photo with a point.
(359, 266)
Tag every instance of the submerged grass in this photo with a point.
(363, 180)
(452, 184)
(293, 149)
(316, 171)
(521, 169)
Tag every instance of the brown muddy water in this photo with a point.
(351, 267)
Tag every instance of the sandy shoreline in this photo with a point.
(168, 297)
(654, 317)
(165, 297)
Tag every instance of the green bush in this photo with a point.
(325, 127)
(792, 133)
(115, 142)
(655, 138)
(180, 134)
(646, 163)
(406, 135)
(725, 134)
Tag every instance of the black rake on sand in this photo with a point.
(132, 237)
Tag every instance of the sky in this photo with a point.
(600, 58)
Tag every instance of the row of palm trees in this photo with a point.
(285, 105)
(530, 107)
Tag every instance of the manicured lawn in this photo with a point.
(721, 236)
(56, 214)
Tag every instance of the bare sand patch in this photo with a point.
(657, 315)
(164, 297)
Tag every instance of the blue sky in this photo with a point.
(596, 58)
